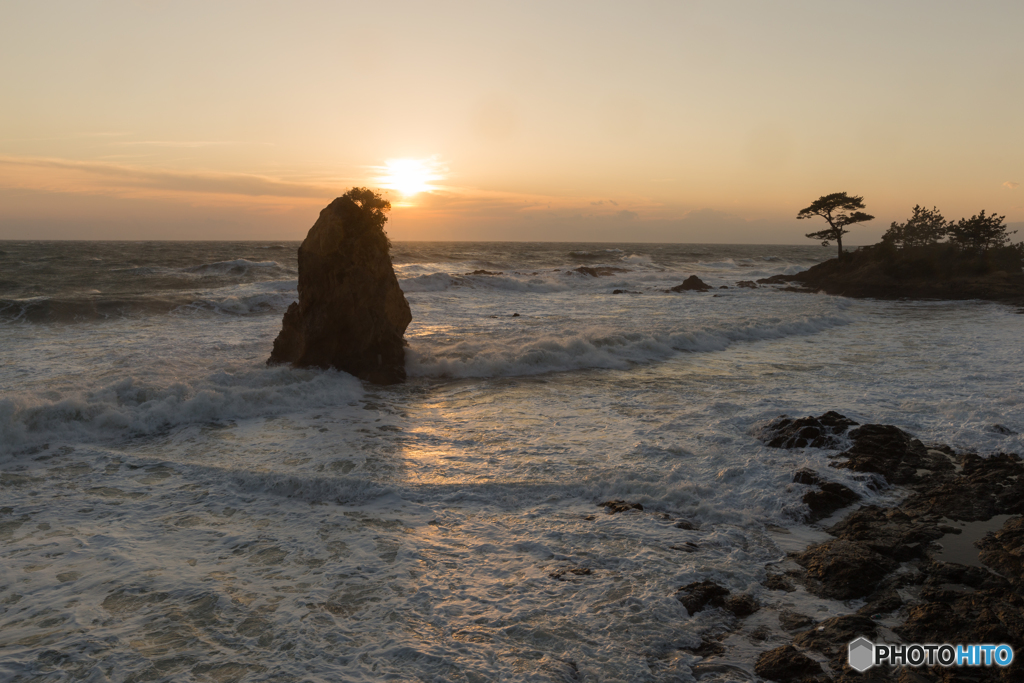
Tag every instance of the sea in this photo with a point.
(173, 509)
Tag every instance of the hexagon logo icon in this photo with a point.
(862, 654)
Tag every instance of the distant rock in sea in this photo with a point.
(692, 283)
(351, 313)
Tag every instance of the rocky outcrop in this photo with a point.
(692, 284)
(826, 497)
(889, 558)
(786, 663)
(876, 273)
(823, 431)
(613, 506)
(351, 313)
(701, 595)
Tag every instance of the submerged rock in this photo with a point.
(823, 431)
(600, 271)
(786, 663)
(705, 594)
(351, 313)
(617, 505)
(700, 594)
(692, 284)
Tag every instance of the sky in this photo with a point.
(562, 121)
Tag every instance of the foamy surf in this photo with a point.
(175, 510)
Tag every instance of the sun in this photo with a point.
(410, 176)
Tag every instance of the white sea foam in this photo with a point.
(128, 407)
(595, 349)
(175, 509)
(439, 282)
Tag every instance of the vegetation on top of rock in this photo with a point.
(928, 245)
(924, 257)
(839, 210)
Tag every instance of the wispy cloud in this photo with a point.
(1011, 185)
(64, 175)
(189, 143)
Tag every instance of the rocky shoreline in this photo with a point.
(888, 556)
(892, 558)
(863, 276)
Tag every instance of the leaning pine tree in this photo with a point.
(839, 210)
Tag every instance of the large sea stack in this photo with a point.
(351, 313)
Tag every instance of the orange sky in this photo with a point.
(658, 121)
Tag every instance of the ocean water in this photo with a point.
(172, 509)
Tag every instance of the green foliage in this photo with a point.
(980, 233)
(926, 226)
(839, 210)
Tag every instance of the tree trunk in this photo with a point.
(839, 241)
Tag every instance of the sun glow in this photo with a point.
(410, 176)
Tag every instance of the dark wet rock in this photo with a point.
(707, 648)
(815, 432)
(484, 272)
(560, 573)
(723, 287)
(748, 284)
(842, 569)
(1003, 551)
(624, 291)
(832, 638)
(984, 487)
(351, 313)
(515, 315)
(600, 271)
(786, 663)
(741, 605)
(885, 450)
(883, 601)
(833, 635)
(829, 497)
(686, 524)
(688, 547)
(975, 616)
(891, 532)
(791, 621)
(806, 476)
(701, 594)
(692, 284)
(1000, 429)
(706, 594)
(614, 506)
(949, 602)
(778, 582)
